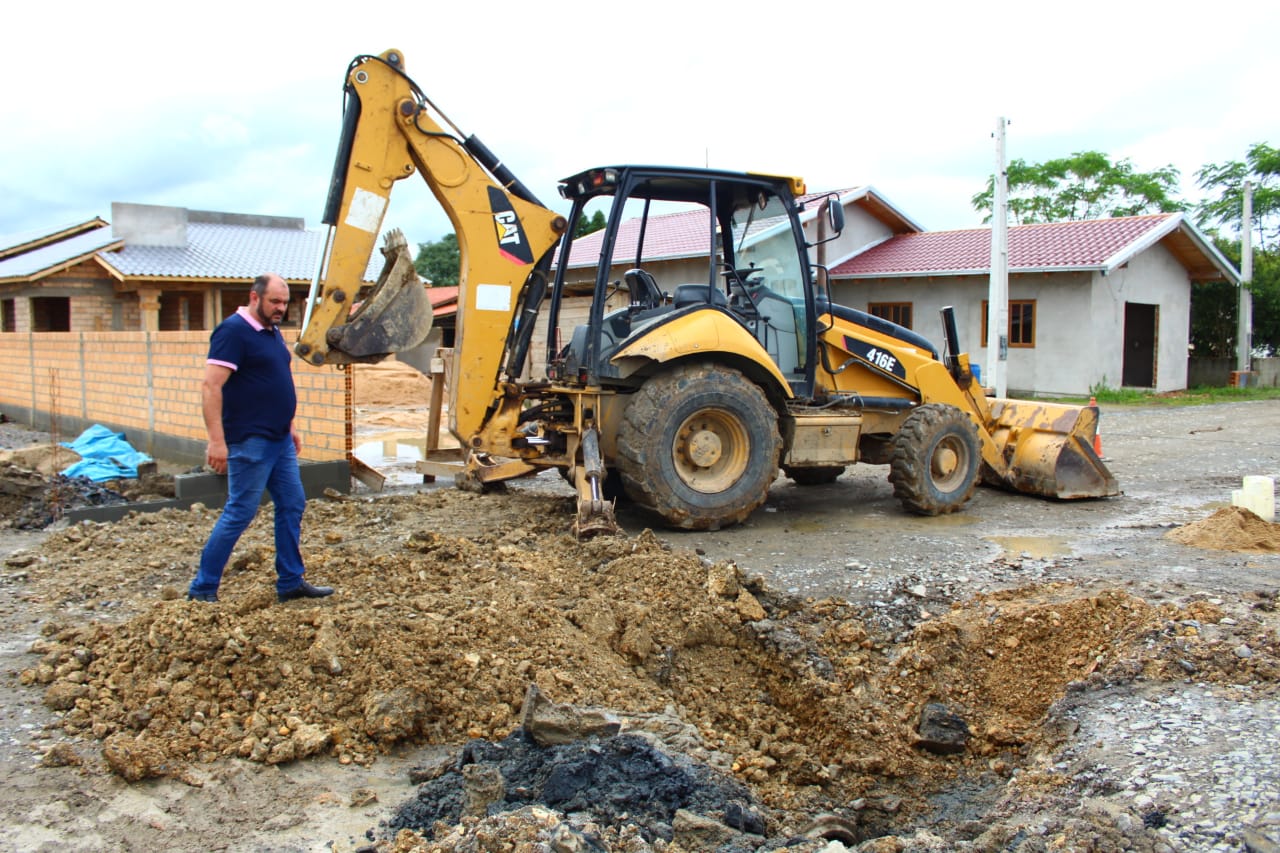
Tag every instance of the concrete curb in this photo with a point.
(211, 490)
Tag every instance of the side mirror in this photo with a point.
(835, 214)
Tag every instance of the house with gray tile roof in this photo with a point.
(153, 268)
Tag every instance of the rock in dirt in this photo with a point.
(548, 724)
(396, 715)
(135, 758)
(941, 730)
(60, 755)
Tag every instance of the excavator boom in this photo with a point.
(391, 131)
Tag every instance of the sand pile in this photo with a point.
(1231, 528)
(389, 383)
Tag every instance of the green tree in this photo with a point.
(1214, 305)
(1086, 185)
(588, 224)
(1223, 209)
(439, 262)
(1261, 167)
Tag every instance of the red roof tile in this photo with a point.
(1057, 245)
(444, 300)
(670, 235)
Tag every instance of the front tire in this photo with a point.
(936, 457)
(699, 446)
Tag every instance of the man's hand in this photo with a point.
(216, 456)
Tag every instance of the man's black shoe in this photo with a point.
(202, 596)
(305, 590)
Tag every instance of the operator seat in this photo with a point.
(698, 294)
(644, 290)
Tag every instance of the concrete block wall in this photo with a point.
(147, 385)
(1268, 372)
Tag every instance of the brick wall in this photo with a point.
(147, 385)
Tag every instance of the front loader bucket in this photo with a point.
(396, 316)
(1048, 450)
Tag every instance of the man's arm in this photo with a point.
(215, 376)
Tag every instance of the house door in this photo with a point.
(1140, 323)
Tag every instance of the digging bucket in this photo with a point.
(1047, 449)
(396, 316)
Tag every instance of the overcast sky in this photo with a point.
(236, 107)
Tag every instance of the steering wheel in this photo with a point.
(737, 279)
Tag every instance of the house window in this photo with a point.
(51, 314)
(894, 312)
(8, 316)
(1022, 322)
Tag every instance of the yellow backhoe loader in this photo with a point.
(685, 395)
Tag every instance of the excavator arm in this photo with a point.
(505, 236)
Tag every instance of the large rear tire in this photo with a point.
(936, 458)
(699, 446)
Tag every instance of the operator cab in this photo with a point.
(679, 241)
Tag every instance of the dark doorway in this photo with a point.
(1140, 324)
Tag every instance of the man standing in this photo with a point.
(248, 402)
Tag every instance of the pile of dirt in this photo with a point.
(30, 500)
(389, 383)
(1231, 528)
(450, 605)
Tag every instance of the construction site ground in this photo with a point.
(1114, 662)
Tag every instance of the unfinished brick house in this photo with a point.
(152, 269)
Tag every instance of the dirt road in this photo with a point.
(1120, 686)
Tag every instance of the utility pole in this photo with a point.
(998, 291)
(1244, 316)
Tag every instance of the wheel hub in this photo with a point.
(944, 462)
(704, 448)
(711, 450)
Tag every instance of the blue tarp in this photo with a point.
(104, 455)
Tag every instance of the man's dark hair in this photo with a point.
(260, 285)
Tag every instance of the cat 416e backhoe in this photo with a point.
(685, 396)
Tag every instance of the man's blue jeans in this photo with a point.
(252, 466)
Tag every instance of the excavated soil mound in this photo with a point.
(450, 605)
(1231, 528)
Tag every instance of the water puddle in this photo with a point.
(395, 455)
(1034, 547)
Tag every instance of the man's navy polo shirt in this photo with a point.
(258, 397)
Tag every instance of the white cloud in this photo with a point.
(240, 108)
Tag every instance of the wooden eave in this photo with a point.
(886, 214)
(128, 284)
(1188, 252)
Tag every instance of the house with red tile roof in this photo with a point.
(1095, 303)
